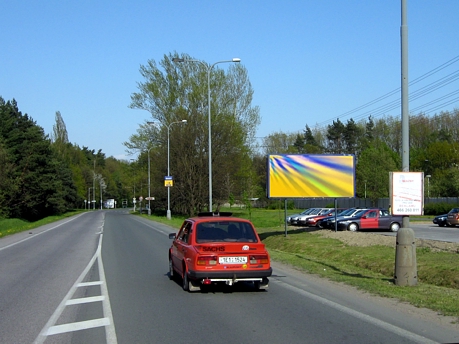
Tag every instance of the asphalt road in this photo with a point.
(102, 277)
(431, 232)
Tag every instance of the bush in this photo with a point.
(279, 204)
(438, 208)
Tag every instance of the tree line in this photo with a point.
(42, 175)
(377, 146)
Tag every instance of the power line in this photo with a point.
(423, 91)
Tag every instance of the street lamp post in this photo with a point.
(168, 214)
(134, 200)
(149, 188)
(100, 184)
(89, 198)
(94, 186)
(209, 68)
(428, 186)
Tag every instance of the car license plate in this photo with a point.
(232, 260)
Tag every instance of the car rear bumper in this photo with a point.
(231, 275)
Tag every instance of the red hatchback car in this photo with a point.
(218, 248)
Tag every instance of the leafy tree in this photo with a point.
(178, 91)
(279, 143)
(42, 184)
(372, 171)
(8, 185)
(299, 144)
(307, 143)
(335, 137)
(60, 138)
(352, 135)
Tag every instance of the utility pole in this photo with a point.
(405, 109)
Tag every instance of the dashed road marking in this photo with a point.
(106, 321)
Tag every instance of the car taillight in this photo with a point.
(207, 260)
(259, 259)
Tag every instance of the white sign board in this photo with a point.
(407, 193)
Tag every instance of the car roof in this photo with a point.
(211, 217)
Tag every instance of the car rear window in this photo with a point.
(225, 231)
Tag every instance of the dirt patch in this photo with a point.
(370, 239)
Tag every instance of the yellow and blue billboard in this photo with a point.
(305, 175)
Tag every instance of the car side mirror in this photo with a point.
(364, 217)
(172, 235)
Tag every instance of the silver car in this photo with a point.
(292, 220)
(302, 219)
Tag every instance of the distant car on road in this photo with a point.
(440, 220)
(218, 248)
(374, 218)
(453, 217)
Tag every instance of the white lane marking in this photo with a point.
(382, 324)
(77, 326)
(47, 230)
(89, 284)
(106, 321)
(85, 300)
(110, 333)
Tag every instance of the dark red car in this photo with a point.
(374, 218)
(218, 248)
(313, 221)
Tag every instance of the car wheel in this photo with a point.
(185, 282)
(263, 285)
(189, 285)
(353, 227)
(394, 227)
(171, 269)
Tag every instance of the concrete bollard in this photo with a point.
(405, 258)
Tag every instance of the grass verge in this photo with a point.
(12, 226)
(370, 268)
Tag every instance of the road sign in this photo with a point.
(149, 198)
(168, 181)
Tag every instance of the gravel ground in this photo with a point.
(369, 239)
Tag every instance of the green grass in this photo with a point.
(370, 268)
(12, 226)
(367, 268)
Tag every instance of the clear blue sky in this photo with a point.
(309, 62)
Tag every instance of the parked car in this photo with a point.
(374, 218)
(211, 248)
(302, 219)
(453, 217)
(314, 220)
(293, 219)
(329, 222)
(440, 220)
